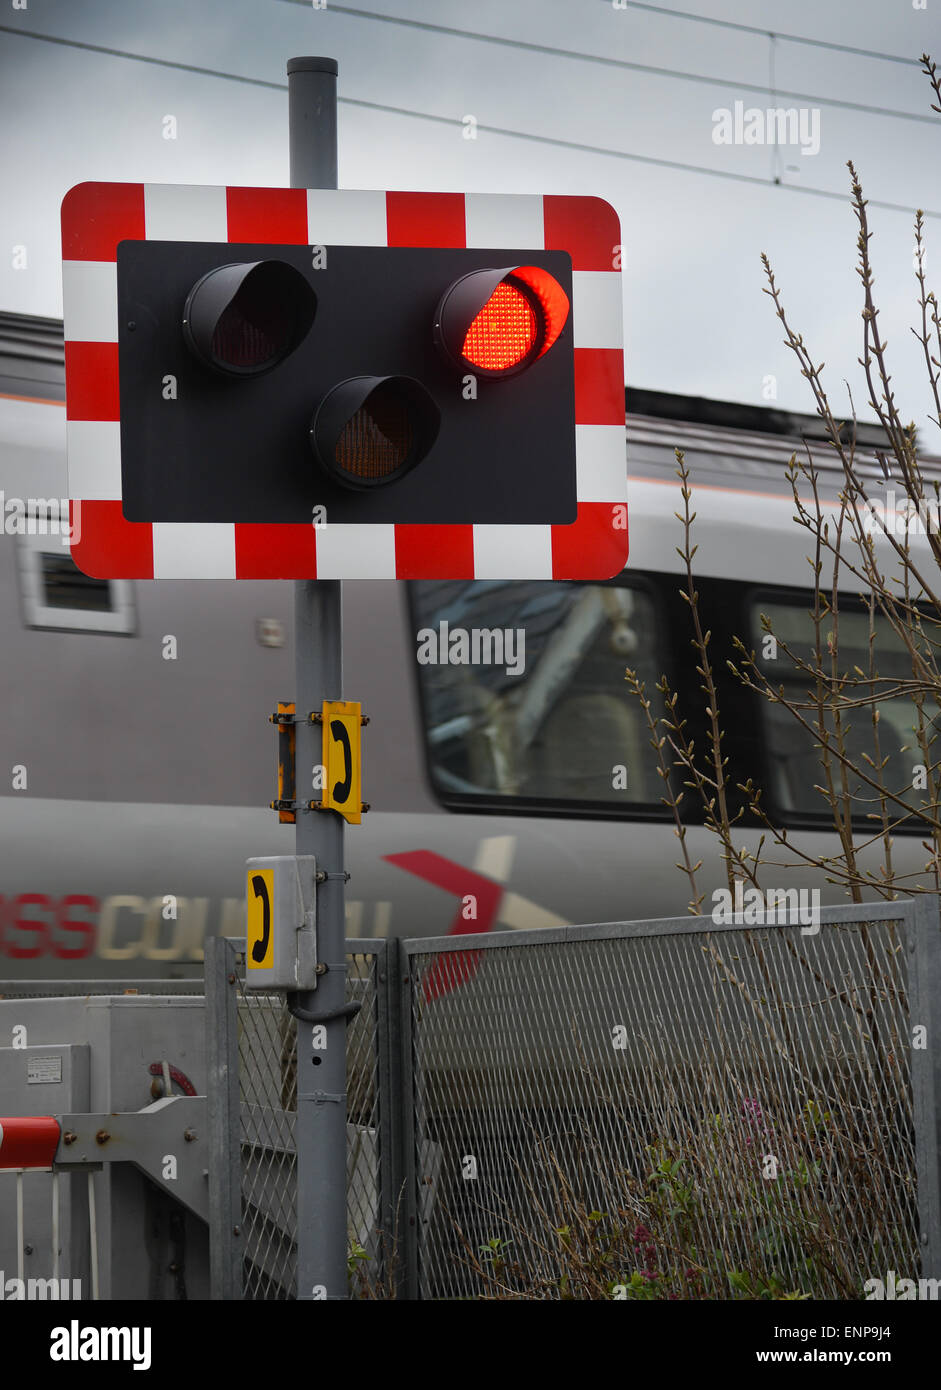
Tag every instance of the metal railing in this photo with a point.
(70, 989)
(28, 1145)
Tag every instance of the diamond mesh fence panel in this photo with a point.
(267, 1044)
(665, 1113)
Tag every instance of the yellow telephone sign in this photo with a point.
(343, 759)
(259, 944)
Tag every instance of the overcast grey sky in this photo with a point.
(610, 75)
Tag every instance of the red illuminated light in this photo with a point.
(500, 321)
(504, 331)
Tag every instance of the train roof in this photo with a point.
(732, 444)
(32, 357)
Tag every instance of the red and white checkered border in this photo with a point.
(97, 216)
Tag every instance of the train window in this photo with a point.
(524, 698)
(793, 754)
(57, 595)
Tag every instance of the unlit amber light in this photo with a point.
(376, 441)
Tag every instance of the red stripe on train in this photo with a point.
(453, 968)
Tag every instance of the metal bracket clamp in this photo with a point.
(315, 717)
(168, 1141)
(322, 875)
(289, 717)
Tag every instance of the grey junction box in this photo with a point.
(281, 944)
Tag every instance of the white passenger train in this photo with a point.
(137, 763)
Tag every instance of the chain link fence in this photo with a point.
(253, 1060)
(675, 1109)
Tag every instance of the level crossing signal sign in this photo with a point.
(291, 383)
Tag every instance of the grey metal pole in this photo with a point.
(312, 120)
(321, 1071)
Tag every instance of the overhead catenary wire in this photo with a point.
(772, 86)
(140, 57)
(655, 160)
(763, 33)
(554, 141)
(627, 65)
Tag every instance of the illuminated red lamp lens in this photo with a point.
(503, 333)
(499, 322)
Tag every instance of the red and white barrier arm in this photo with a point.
(28, 1141)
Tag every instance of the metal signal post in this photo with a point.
(318, 646)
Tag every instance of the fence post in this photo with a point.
(391, 1137)
(925, 1010)
(224, 1120)
(401, 985)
